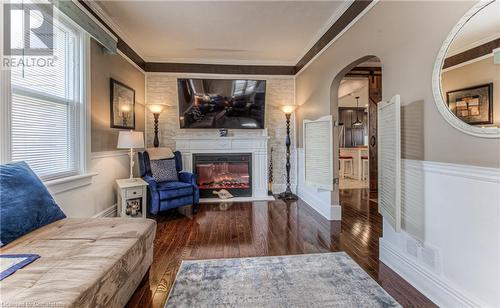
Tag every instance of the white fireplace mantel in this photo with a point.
(256, 145)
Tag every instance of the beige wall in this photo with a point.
(477, 73)
(407, 36)
(99, 197)
(103, 67)
(407, 52)
(162, 88)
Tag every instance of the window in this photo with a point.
(47, 127)
(244, 87)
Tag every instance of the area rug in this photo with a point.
(313, 280)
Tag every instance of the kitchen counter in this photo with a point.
(356, 154)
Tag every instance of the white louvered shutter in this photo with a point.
(318, 153)
(389, 161)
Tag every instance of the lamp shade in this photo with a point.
(130, 140)
(156, 108)
(288, 108)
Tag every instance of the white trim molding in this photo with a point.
(5, 96)
(109, 212)
(69, 183)
(467, 62)
(477, 131)
(318, 199)
(327, 210)
(255, 145)
(355, 20)
(443, 293)
(464, 171)
(449, 245)
(104, 154)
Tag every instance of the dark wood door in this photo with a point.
(354, 136)
(375, 95)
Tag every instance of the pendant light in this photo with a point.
(357, 123)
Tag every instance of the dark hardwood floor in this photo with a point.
(231, 230)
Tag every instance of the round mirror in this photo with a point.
(466, 78)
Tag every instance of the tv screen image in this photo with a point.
(222, 103)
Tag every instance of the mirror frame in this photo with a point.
(437, 85)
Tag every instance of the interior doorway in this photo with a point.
(359, 91)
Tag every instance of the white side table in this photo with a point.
(131, 198)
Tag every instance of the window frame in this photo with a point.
(80, 112)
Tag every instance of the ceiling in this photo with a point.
(223, 32)
(481, 28)
(350, 88)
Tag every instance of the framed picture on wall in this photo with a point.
(122, 105)
(473, 105)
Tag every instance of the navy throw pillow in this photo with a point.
(25, 202)
(164, 170)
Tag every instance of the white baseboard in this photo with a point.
(327, 210)
(237, 199)
(109, 212)
(441, 292)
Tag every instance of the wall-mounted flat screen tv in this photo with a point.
(222, 103)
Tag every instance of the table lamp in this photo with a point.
(130, 140)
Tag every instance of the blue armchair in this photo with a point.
(169, 195)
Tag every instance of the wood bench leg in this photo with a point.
(145, 278)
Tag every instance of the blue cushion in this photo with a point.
(169, 190)
(26, 204)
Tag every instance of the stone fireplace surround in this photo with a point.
(256, 144)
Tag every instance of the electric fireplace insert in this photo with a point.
(232, 172)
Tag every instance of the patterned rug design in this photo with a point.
(311, 280)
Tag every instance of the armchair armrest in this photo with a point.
(151, 181)
(187, 177)
(154, 197)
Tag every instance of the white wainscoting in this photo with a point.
(95, 197)
(109, 212)
(455, 259)
(318, 199)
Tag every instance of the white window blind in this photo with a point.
(46, 101)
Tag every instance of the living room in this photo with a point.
(324, 153)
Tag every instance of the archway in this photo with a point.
(360, 79)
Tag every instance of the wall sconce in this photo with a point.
(124, 109)
(156, 109)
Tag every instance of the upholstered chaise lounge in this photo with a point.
(84, 262)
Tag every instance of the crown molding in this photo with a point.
(219, 69)
(124, 56)
(471, 54)
(355, 12)
(121, 44)
(331, 21)
(100, 11)
(343, 18)
(462, 64)
(474, 44)
(219, 61)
